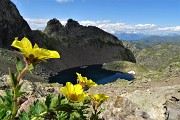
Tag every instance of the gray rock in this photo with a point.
(12, 23)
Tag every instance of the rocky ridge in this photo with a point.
(78, 45)
(85, 45)
(12, 24)
(164, 58)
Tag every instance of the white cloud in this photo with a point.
(40, 23)
(113, 27)
(145, 26)
(175, 28)
(64, 1)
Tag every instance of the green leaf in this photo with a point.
(13, 78)
(5, 114)
(8, 99)
(24, 116)
(64, 100)
(19, 65)
(37, 108)
(19, 93)
(3, 106)
(2, 114)
(19, 86)
(87, 101)
(31, 67)
(54, 102)
(61, 115)
(48, 101)
(2, 98)
(75, 114)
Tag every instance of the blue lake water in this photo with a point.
(94, 72)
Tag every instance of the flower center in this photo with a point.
(73, 97)
(32, 59)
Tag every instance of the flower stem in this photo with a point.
(14, 112)
(15, 90)
(23, 71)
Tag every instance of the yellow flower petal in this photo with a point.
(26, 43)
(85, 81)
(54, 54)
(34, 54)
(90, 83)
(74, 92)
(99, 98)
(80, 77)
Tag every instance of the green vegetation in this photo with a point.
(157, 40)
(159, 56)
(162, 59)
(72, 105)
(124, 66)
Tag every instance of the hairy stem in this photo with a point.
(15, 104)
(15, 107)
(23, 71)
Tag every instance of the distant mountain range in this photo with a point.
(130, 36)
(140, 36)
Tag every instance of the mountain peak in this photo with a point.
(55, 28)
(12, 23)
(71, 23)
(54, 21)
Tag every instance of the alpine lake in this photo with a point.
(94, 72)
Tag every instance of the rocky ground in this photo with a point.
(153, 95)
(140, 100)
(129, 100)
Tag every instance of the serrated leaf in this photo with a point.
(5, 114)
(19, 65)
(2, 114)
(54, 102)
(37, 108)
(61, 115)
(72, 117)
(2, 107)
(8, 99)
(24, 116)
(76, 114)
(8, 115)
(64, 101)
(48, 101)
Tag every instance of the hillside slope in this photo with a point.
(78, 45)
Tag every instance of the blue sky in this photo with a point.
(138, 16)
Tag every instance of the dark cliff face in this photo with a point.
(80, 45)
(12, 24)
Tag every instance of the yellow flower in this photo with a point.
(33, 54)
(98, 99)
(85, 82)
(74, 92)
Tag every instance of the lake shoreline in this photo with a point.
(95, 72)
